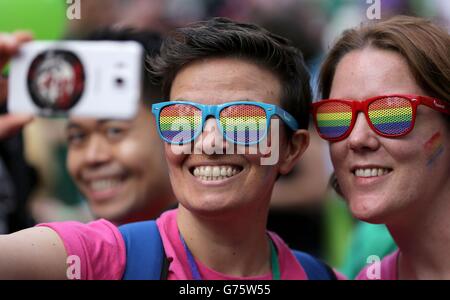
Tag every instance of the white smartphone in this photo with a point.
(98, 79)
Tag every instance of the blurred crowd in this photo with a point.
(305, 212)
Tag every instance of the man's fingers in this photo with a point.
(18, 38)
(23, 36)
(10, 43)
(10, 124)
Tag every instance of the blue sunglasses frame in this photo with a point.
(214, 111)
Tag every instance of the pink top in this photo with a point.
(387, 269)
(102, 253)
(98, 244)
(179, 266)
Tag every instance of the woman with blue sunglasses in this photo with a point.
(224, 104)
(387, 117)
(237, 120)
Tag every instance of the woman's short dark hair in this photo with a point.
(221, 37)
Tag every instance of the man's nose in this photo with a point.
(97, 150)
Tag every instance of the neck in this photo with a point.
(424, 241)
(150, 212)
(236, 245)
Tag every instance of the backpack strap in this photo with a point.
(315, 269)
(146, 259)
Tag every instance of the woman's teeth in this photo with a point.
(215, 172)
(371, 172)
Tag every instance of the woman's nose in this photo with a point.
(211, 140)
(362, 136)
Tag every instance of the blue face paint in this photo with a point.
(434, 148)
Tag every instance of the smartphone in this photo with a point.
(98, 79)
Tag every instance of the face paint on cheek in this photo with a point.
(433, 148)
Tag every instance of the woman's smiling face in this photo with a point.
(234, 180)
(408, 172)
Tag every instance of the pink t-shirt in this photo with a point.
(387, 271)
(101, 249)
(98, 244)
(179, 265)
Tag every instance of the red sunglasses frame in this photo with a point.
(362, 106)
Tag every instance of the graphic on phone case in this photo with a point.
(56, 80)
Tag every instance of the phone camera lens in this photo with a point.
(120, 82)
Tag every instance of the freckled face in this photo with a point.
(406, 179)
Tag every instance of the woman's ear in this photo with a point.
(296, 146)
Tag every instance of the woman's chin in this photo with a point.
(211, 208)
(368, 211)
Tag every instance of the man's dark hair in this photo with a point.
(221, 37)
(149, 40)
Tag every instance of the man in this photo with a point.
(119, 165)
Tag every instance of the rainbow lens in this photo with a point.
(392, 115)
(333, 119)
(243, 123)
(180, 123)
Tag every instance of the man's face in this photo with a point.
(118, 165)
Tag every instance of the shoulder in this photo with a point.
(300, 265)
(315, 268)
(386, 269)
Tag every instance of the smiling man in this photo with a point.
(118, 165)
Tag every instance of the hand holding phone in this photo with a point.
(99, 79)
(9, 44)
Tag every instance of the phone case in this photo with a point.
(99, 79)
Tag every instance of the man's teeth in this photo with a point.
(215, 172)
(372, 172)
(104, 184)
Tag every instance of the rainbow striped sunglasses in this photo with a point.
(388, 116)
(241, 122)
